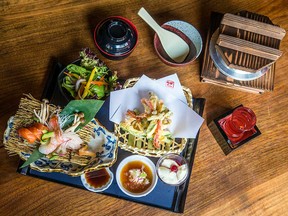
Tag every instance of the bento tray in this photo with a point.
(167, 197)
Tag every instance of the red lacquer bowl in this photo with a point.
(116, 37)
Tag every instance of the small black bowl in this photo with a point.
(116, 37)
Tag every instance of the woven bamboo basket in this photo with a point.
(142, 146)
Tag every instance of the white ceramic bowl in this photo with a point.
(147, 162)
(189, 34)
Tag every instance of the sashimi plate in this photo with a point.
(104, 142)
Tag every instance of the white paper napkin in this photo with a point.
(185, 122)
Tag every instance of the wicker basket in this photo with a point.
(142, 146)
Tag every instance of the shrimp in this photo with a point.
(148, 106)
(69, 140)
(53, 125)
(156, 141)
(61, 141)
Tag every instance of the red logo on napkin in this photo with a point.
(170, 84)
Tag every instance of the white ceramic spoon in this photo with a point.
(175, 46)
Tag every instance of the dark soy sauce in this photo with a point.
(97, 179)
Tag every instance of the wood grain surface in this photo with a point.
(251, 180)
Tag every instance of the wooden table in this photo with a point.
(250, 181)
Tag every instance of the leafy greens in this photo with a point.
(92, 79)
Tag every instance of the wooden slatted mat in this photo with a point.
(247, 42)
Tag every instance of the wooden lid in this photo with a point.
(248, 42)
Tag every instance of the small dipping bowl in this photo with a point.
(115, 37)
(97, 181)
(189, 34)
(172, 169)
(144, 160)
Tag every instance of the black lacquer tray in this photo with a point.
(163, 196)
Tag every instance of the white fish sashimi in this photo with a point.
(96, 143)
(71, 141)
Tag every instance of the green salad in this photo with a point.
(92, 79)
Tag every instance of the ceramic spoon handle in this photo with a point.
(149, 20)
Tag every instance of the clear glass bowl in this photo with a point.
(172, 169)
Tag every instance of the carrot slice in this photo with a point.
(148, 103)
(99, 83)
(72, 75)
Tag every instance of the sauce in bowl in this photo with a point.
(97, 181)
(136, 176)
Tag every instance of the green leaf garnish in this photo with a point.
(87, 106)
(143, 174)
(33, 157)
